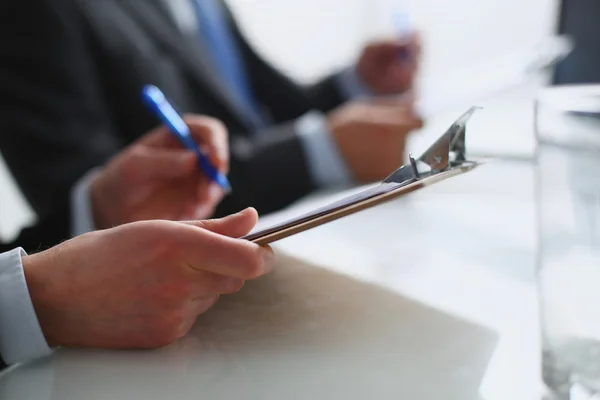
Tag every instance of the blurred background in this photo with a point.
(309, 38)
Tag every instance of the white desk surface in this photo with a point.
(429, 297)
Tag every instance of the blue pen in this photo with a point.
(157, 102)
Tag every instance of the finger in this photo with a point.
(403, 121)
(156, 163)
(160, 137)
(205, 251)
(208, 132)
(392, 47)
(412, 41)
(399, 102)
(201, 305)
(233, 226)
(400, 113)
(203, 203)
(212, 195)
(212, 134)
(205, 283)
(403, 118)
(388, 46)
(209, 193)
(203, 189)
(157, 137)
(412, 119)
(194, 309)
(415, 42)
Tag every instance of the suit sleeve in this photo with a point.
(48, 136)
(45, 233)
(268, 172)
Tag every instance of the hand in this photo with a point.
(140, 285)
(156, 178)
(371, 136)
(389, 67)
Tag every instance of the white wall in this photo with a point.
(461, 39)
(14, 211)
(307, 38)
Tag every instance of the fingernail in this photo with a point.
(269, 257)
(222, 157)
(244, 211)
(214, 191)
(203, 212)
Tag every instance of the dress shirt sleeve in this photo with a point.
(325, 162)
(351, 85)
(21, 337)
(82, 217)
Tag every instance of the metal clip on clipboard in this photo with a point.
(447, 153)
(444, 159)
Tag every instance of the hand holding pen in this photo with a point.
(389, 67)
(156, 178)
(156, 101)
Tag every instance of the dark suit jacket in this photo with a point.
(579, 20)
(71, 72)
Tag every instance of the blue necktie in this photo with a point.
(216, 35)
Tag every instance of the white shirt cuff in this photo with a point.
(325, 162)
(21, 337)
(352, 86)
(82, 217)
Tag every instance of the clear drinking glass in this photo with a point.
(568, 207)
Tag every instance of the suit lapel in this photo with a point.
(191, 53)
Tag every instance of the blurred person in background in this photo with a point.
(153, 178)
(72, 72)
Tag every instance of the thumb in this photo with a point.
(402, 101)
(390, 47)
(235, 226)
(162, 163)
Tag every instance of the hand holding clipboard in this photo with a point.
(444, 159)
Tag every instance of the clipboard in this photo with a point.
(445, 159)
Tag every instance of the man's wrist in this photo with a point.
(41, 293)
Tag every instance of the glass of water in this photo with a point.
(568, 211)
